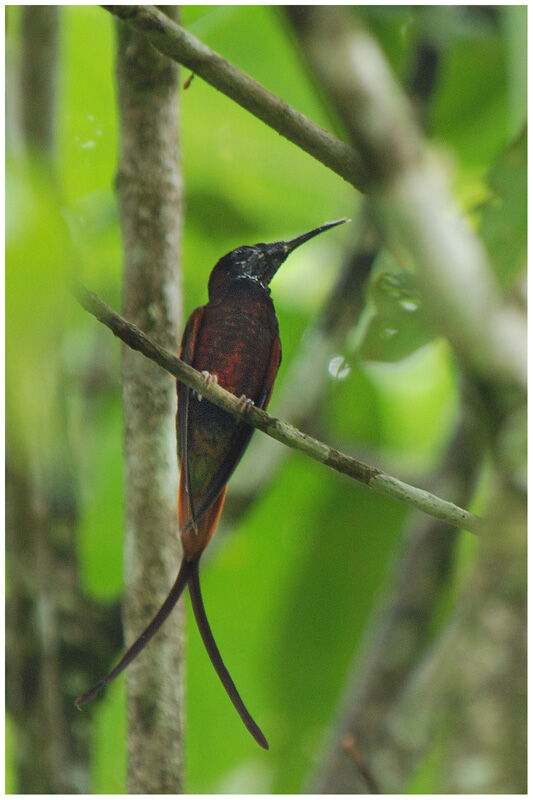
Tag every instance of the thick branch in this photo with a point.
(183, 47)
(412, 196)
(57, 638)
(282, 431)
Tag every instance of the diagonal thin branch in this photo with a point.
(186, 49)
(278, 429)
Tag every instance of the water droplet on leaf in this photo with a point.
(338, 368)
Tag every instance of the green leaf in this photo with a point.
(504, 218)
(37, 311)
(469, 113)
(395, 324)
(515, 30)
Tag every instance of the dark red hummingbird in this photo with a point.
(233, 340)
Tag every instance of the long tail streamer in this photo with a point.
(216, 658)
(180, 583)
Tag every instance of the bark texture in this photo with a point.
(149, 190)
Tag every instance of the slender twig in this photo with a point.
(351, 747)
(278, 429)
(183, 47)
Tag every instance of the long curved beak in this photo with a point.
(292, 244)
(277, 252)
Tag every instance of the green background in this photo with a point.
(290, 587)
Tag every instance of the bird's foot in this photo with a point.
(210, 378)
(245, 403)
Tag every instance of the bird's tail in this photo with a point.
(180, 583)
(216, 658)
(188, 574)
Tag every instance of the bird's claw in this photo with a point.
(245, 403)
(210, 378)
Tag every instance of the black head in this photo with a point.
(258, 262)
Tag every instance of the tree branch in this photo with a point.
(412, 195)
(282, 431)
(57, 638)
(183, 47)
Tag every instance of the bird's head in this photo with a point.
(258, 262)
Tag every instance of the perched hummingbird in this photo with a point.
(234, 340)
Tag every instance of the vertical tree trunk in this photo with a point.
(149, 189)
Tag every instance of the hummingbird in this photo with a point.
(234, 341)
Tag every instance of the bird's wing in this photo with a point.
(243, 433)
(270, 374)
(186, 353)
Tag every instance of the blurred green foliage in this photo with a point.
(289, 591)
